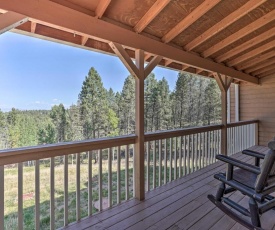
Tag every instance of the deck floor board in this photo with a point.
(180, 204)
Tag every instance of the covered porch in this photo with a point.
(165, 175)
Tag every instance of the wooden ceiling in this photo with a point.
(231, 37)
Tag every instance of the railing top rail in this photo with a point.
(241, 123)
(180, 132)
(11, 156)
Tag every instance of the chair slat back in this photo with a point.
(266, 178)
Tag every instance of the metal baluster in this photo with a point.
(110, 164)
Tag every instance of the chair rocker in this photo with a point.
(255, 181)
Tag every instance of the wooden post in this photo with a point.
(224, 84)
(140, 72)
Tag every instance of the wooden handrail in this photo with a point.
(12, 156)
(179, 132)
(241, 123)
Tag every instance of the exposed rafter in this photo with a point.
(84, 40)
(244, 46)
(11, 20)
(101, 8)
(151, 14)
(167, 62)
(263, 70)
(227, 21)
(33, 27)
(63, 17)
(268, 73)
(189, 19)
(147, 56)
(184, 67)
(252, 53)
(238, 35)
(256, 60)
(262, 65)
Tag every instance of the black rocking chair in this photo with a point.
(254, 181)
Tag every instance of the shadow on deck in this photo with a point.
(181, 204)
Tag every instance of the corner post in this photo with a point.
(224, 84)
(139, 145)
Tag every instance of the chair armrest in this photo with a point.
(239, 164)
(253, 153)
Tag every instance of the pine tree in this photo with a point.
(150, 103)
(163, 113)
(212, 104)
(59, 119)
(127, 107)
(93, 106)
(75, 129)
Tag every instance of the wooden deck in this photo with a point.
(181, 204)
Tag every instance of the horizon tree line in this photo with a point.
(101, 112)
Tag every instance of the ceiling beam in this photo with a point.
(256, 60)
(11, 20)
(244, 46)
(239, 34)
(63, 17)
(189, 19)
(252, 53)
(158, 6)
(101, 8)
(225, 22)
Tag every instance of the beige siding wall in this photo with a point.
(258, 102)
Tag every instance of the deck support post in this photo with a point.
(11, 20)
(140, 73)
(224, 83)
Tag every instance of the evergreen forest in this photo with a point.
(101, 112)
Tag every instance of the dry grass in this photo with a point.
(11, 191)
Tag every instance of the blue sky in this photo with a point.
(37, 74)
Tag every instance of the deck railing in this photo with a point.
(241, 135)
(172, 154)
(69, 181)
